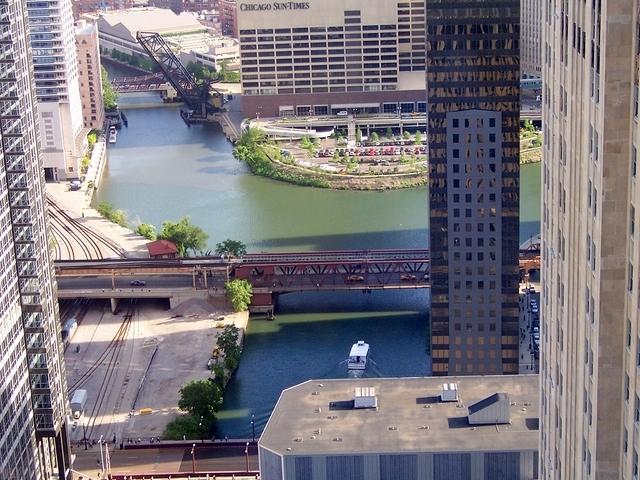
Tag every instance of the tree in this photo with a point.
(251, 137)
(109, 95)
(239, 293)
(406, 135)
(201, 398)
(228, 340)
(147, 231)
(231, 248)
(389, 133)
(184, 234)
(374, 137)
(358, 135)
(418, 138)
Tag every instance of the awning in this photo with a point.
(355, 105)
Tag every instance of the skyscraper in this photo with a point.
(63, 140)
(473, 132)
(33, 435)
(590, 347)
(531, 37)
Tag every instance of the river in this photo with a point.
(162, 170)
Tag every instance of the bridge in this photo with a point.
(270, 274)
(145, 83)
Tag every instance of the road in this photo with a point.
(168, 460)
(104, 282)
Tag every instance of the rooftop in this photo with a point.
(317, 417)
(147, 19)
(161, 247)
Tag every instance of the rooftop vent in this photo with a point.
(449, 392)
(365, 397)
(492, 410)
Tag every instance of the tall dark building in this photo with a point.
(473, 107)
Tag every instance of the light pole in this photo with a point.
(201, 431)
(253, 427)
(246, 456)
(84, 433)
(193, 458)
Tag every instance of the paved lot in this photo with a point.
(109, 355)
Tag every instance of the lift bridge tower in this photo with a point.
(202, 100)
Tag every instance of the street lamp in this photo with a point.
(201, 431)
(246, 456)
(84, 433)
(253, 428)
(193, 458)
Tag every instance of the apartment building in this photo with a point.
(332, 55)
(33, 399)
(89, 70)
(228, 17)
(590, 334)
(55, 64)
(473, 133)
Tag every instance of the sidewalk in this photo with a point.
(78, 205)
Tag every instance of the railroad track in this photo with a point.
(111, 356)
(92, 244)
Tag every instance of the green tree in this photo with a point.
(231, 248)
(389, 133)
(406, 135)
(358, 135)
(228, 340)
(109, 95)
(201, 398)
(418, 138)
(185, 235)
(374, 137)
(239, 293)
(251, 137)
(226, 75)
(147, 231)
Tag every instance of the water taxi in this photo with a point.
(358, 356)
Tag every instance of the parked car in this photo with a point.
(75, 185)
(342, 113)
(137, 283)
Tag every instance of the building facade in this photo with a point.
(474, 109)
(404, 429)
(590, 258)
(57, 87)
(89, 69)
(331, 55)
(81, 7)
(33, 402)
(228, 10)
(531, 37)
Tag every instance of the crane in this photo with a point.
(202, 99)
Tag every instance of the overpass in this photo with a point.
(270, 274)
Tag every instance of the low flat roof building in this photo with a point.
(187, 37)
(400, 428)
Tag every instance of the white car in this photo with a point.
(342, 113)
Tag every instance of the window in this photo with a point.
(634, 161)
(632, 220)
(630, 277)
(628, 333)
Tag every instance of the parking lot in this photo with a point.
(529, 329)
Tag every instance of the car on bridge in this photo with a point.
(355, 278)
(407, 277)
(137, 283)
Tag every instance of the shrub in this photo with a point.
(146, 230)
(239, 293)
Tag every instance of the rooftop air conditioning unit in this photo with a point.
(449, 392)
(365, 397)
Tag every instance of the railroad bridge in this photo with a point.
(270, 274)
(145, 83)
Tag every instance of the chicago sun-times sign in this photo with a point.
(264, 7)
